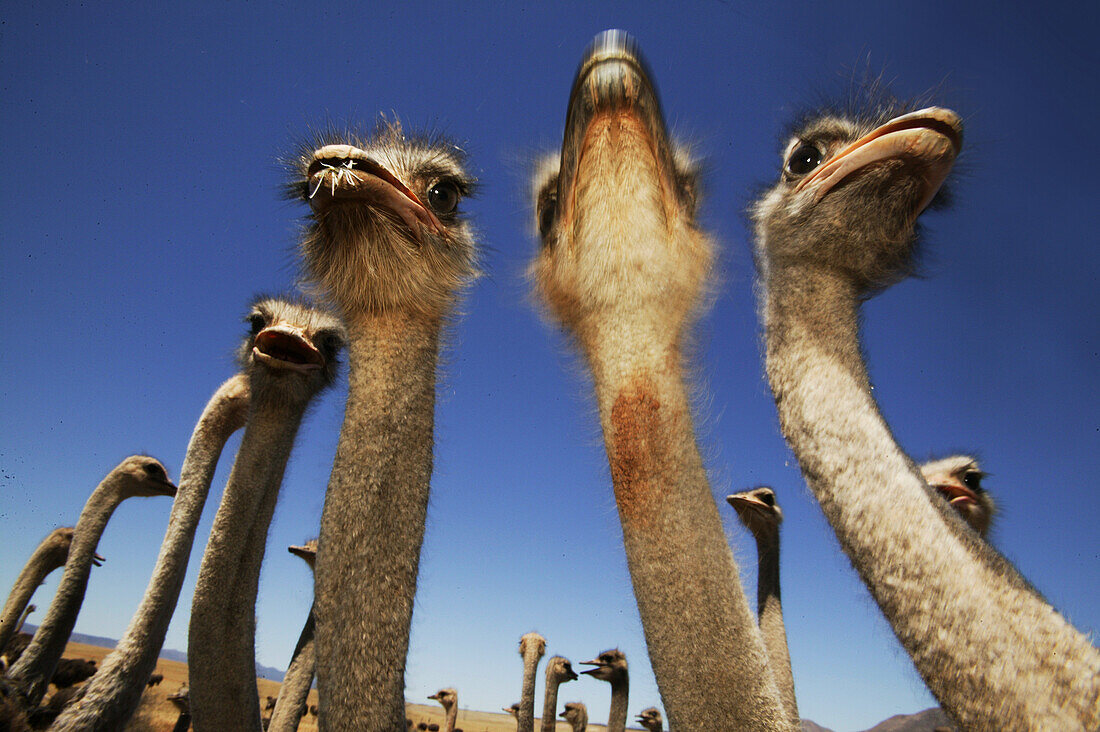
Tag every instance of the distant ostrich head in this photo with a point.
(610, 666)
(651, 719)
(144, 476)
(308, 552)
(959, 480)
(532, 643)
(386, 229)
(446, 697)
(559, 669)
(757, 509)
(851, 190)
(513, 710)
(576, 714)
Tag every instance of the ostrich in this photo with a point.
(291, 357)
(181, 700)
(959, 480)
(622, 266)
(389, 247)
(23, 617)
(154, 680)
(532, 646)
(759, 512)
(514, 711)
(448, 699)
(50, 554)
(838, 227)
(558, 671)
(610, 666)
(137, 475)
(576, 714)
(294, 692)
(113, 696)
(651, 719)
(72, 671)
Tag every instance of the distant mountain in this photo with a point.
(927, 721)
(264, 672)
(808, 726)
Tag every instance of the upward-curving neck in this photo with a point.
(372, 526)
(990, 649)
(33, 670)
(48, 556)
(294, 691)
(620, 693)
(221, 640)
(114, 692)
(675, 546)
(525, 720)
(769, 610)
(550, 702)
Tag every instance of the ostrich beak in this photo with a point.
(932, 135)
(613, 80)
(98, 559)
(346, 173)
(956, 494)
(283, 347)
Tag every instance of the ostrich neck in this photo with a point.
(47, 557)
(769, 610)
(951, 610)
(33, 670)
(294, 692)
(675, 546)
(525, 720)
(452, 718)
(616, 716)
(550, 704)
(221, 642)
(114, 692)
(372, 525)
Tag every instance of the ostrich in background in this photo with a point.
(837, 228)
(294, 691)
(623, 267)
(558, 671)
(136, 476)
(610, 666)
(958, 478)
(388, 245)
(758, 511)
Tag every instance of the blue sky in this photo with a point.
(142, 212)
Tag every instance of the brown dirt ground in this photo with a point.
(157, 714)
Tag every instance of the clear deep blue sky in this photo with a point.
(141, 212)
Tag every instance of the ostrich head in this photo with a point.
(144, 476)
(959, 480)
(757, 509)
(610, 666)
(651, 718)
(851, 189)
(559, 669)
(295, 344)
(446, 697)
(308, 552)
(617, 202)
(513, 710)
(532, 643)
(386, 229)
(575, 714)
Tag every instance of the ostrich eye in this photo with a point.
(443, 197)
(546, 215)
(154, 471)
(973, 481)
(256, 322)
(805, 158)
(768, 499)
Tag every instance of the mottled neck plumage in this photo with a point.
(33, 670)
(114, 692)
(294, 692)
(373, 522)
(221, 640)
(48, 556)
(929, 584)
(769, 612)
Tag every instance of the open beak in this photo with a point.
(932, 136)
(98, 559)
(956, 494)
(282, 347)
